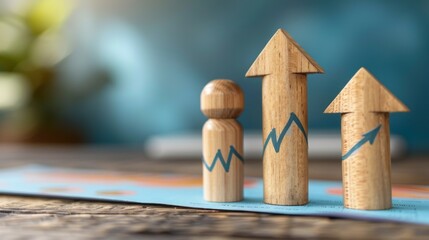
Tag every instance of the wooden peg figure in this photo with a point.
(222, 101)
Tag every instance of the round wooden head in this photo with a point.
(222, 98)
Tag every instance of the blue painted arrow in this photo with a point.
(273, 135)
(226, 164)
(367, 137)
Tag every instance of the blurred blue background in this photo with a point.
(133, 69)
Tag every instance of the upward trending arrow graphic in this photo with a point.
(283, 64)
(364, 103)
(367, 137)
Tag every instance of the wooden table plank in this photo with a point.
(86, 219)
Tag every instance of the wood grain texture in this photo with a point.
(220, 184)
(364, 104)
(222, 98)
(364, 93)
(366, 173)
(223, 164)
(283, 64)
(46, 219)
(35, 218)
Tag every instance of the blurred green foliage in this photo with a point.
(30, 47)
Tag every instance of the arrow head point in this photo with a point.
(363, 69)
(364, 93)
(281, 55)
(371, 135)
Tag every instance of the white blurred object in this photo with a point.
(322, 145)
(14, 91)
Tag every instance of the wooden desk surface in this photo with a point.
(43, 218)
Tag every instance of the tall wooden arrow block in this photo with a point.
(283, 64)
(364, 104)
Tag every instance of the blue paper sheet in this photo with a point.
(410, 203)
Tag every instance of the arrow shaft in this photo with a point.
(283, 93)
(366, 170)
(284, 115)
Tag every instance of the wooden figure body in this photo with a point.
(283, 64)
(222, 101)
(364, 105)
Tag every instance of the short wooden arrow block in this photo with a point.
(364, 104)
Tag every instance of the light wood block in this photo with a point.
(364, 104)
(223, 164)
(283, 64)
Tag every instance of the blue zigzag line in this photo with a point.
(273, 135)
(226, 164)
